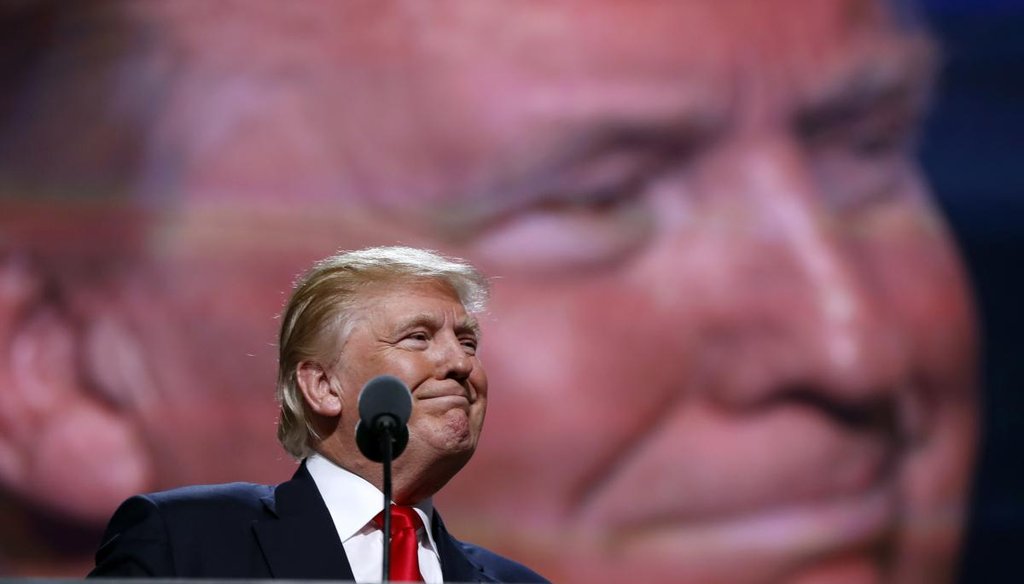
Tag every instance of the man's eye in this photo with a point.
(470, 345)
(416, 339)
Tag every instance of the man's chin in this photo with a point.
(454, 458)
(452, 434)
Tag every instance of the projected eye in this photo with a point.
(590, 213)
(861, 156)
(576, 232)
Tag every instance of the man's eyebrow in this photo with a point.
(415, 321)
(469, 324)
(900, 77)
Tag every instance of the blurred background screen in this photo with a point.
(755, 266)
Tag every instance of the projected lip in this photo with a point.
(789, 479)
(815, 527)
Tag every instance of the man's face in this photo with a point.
(420, 333)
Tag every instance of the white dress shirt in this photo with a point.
(353, 503)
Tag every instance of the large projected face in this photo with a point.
(730, 340)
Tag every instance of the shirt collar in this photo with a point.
(352, 501)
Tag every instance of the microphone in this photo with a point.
(381, 434)
(385, 405)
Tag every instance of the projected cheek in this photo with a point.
(67, 441)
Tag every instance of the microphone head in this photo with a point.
(385, 395)
(369, 442)
(385, 404)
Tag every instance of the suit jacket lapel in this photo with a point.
(298, 538)
(455, 566)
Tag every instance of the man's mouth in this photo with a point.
(448, 392)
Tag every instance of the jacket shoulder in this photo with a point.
(171, 533)
(225, 498)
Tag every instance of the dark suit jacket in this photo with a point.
(243, 530)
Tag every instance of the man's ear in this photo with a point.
(315, 384)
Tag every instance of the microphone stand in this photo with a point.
(385, 426)
(385, 405)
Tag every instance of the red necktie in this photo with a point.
(405, 563)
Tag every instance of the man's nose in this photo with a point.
(800, 311)
(451, 361)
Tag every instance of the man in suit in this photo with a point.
(399, 311)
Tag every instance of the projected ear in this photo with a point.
(321, 395)
(62, 448)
